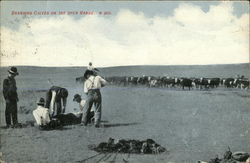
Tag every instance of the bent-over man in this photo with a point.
(56, 100)
(92, 87)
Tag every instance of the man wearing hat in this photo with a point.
(91, 67)
(78, 99)
(56, 100)
(43, 119)
(11, 97)
(41, 113)
(92, 86)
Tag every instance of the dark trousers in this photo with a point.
(11, 113)
(58, 103)
(94, 97)
(58, 107)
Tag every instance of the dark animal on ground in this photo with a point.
(147, 146)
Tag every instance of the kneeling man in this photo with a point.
(82, 102)
(42, 116)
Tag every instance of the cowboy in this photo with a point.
(78, 99)
(11, 97)
(56, 100)
(92, 87)
(91, 67)
(41, 113)
(42, 117)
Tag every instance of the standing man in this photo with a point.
(92, 87)
(56, 100)
(11, 97)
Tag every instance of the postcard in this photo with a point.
(124, 81)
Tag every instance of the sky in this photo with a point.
(131, 33)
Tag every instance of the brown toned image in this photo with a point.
(124, 82)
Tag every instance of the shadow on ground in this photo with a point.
(119, 124)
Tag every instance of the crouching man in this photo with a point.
(42, 116)
(82, 102)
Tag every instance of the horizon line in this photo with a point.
(123, 65)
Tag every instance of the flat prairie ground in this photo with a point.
(192, 125)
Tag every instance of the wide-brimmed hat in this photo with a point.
(88, 72)
(76, 97)
(41, 101)
(13, 70)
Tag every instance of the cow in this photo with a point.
(115, 80)
(168, 82)
(121, 80)
(163, 81)
(196, 82)
(144, 80)
(229, 82)
(147, 80)
(176, 81)
(236, 83)
(111, 80)
(153, 82)
(203, 82)
(244, 83)
(214, 82)
(131, 80)
(185, 82)
(222, 81)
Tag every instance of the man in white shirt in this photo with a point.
(92, 87)
(41, 113)
(91, 67)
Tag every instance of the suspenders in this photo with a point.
(92, 83)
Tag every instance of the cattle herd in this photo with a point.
(177, 82)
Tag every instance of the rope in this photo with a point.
(113, 160)
(81, 161)
(105, 155)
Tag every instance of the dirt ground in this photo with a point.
(192, 125)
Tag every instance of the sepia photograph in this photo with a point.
(124, 82)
